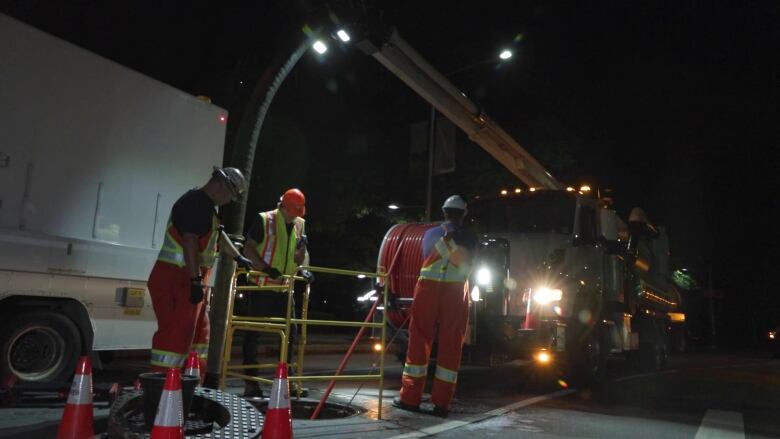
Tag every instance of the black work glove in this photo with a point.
(272, 272)
(308, 276)
(196, 291)
(244, 262)
(464, 238)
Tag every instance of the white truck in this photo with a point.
(92, 157)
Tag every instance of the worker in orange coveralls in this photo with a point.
(177, 281)
(440, 298)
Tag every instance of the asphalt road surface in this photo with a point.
(702, 395)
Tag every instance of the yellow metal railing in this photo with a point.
(282, 325)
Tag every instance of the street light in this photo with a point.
(319, 47)
(393, 206)
(244, 154)
(343, 35)
(503, 56)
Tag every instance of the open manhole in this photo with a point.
(303, 408)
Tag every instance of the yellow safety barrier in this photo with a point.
(282, 325)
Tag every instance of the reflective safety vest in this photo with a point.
(173, 253)
(439, 267)
(277, 248)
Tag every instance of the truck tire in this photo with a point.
(588, 360)
(40, 346)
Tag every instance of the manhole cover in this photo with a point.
(303, 409)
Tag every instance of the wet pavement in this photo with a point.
(722, 395)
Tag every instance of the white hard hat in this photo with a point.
(454, 202)
(234, 179)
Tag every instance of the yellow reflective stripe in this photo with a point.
(202, 349)
(277, 243)
(415, 370)
(173, 253)
(446, 375)
(209, 254)
(166, 358)
(439, 270)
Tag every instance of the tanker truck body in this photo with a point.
(558, 278)
(92, 157)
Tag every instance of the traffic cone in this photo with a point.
(77, 419)
(278, 419)
(193, 366)
(169, 422)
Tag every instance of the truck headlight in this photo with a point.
(546, 295)
(483, 276)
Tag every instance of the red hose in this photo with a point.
(401, 252)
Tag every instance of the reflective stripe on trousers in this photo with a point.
(446, 375)
(415, 370)
(167, 359)
(202, 349)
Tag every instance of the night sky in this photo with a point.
(672, 105)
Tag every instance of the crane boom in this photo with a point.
(407, 64)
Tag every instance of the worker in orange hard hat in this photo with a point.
(276, 244)
(178, 278)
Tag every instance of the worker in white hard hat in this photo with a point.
(176, 284)
(440, 299)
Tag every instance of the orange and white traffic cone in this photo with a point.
(77, 418)
(193, 366)
(278, 419)
(169, 422)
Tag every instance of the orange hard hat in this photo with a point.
(295, 202)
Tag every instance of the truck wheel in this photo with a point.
(40, 346)
(589, 363)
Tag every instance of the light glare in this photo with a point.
(393, 206)
(547, 295)
(505, 54)
(543, 357)
(483, 276)
(475, 294)
(343, 35)
(319, 47)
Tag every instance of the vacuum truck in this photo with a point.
(559, 277)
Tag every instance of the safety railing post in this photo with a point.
(383, 351)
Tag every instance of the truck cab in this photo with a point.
(561, 279)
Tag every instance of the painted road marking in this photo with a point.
(720, 424)
(451, 425)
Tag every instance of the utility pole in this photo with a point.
(243, 158)
(713, 343)
(431, 145)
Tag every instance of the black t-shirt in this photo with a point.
(193, 213)
(257, 231)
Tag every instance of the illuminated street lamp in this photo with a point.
(319, 47)
(343, 35)
(505, 54)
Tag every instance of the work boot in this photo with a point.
(404, 406)
(430, 408)
(252, 390)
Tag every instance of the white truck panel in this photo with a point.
(92, 144)
(92, 157)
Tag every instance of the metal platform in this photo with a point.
(214, 415)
